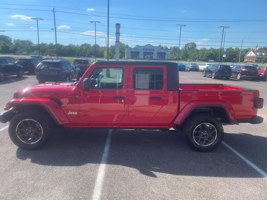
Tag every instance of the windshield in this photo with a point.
(44, 65)
(250, 68)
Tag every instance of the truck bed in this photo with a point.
(209, 87)
(238, 101)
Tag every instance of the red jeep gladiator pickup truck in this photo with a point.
(130, 94)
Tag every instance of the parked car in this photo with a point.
(83, 64)
(247, 71)
(56, 70)
(8, 66)
(181, 66)
(28, 63)
(217, 71)
(262, 73)
(202, 66)
(191, 67)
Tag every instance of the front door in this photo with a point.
(106, 101)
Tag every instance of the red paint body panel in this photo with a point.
(48, 104)
(72, 106)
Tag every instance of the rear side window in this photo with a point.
(148, 78)
(49, 65)
(226, 67)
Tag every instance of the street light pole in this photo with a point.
(55, 28)
(223, 27)
(181, 25)
(37, 20)
(95, 35)
(108, 33)
(240, 52)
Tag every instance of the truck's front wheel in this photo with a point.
(29, 130)
(203, 132)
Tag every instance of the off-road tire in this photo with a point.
(203, 132)
(30, 129)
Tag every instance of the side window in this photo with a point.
(106, 78)
(3, 61)
(10, 60)
(148, 78)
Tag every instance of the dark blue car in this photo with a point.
(56, 70)
(181, 66)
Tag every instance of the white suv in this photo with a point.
(203, 66)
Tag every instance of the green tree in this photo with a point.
(190, 46)
(6, 39)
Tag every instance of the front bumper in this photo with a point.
(7, 115)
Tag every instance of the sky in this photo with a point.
(142, 22)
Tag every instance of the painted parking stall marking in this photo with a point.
(260, 171)
(102, 169)
(4, 128)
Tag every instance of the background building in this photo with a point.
(147, 52)
(256, 56)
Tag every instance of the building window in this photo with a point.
(148, 55)
(161, 55)
(135, 54)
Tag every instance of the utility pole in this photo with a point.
(240, 52)
(95, 35)
(223, 27)
(37, 20)
(180, 25)
(108, 33)
(55, 28)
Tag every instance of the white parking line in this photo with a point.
(4, 128)
(260, 171)
(102, 169)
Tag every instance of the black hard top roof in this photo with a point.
(135, 63)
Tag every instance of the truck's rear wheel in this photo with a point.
(29, 130)
(203, 132)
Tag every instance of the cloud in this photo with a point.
(202, 41)
(90, 9)
(92, 33)
(63, 27)
(10, 24)
(22, 17)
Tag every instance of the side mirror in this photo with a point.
(86, 84)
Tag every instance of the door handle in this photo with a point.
(155, 98)
(118, 97)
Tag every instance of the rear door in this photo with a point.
(150, 104)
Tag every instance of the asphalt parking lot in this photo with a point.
(135, 164)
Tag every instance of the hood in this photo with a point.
(46, 90)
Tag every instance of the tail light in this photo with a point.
(258, 102)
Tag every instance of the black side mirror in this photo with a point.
(86, 84)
